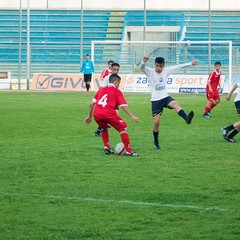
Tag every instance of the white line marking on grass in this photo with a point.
(155, 204)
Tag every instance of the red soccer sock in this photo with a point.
(105, 138)
(126, 142)
(213, 105)
(207, 109)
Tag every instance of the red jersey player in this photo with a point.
(212, 90)
(115, 69)
(103, 109)
(107, 71)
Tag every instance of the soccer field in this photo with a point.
(56, 182)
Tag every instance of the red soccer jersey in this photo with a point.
(105, 73)
(214, 79)
(107, 99)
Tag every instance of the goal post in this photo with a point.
(129, 53)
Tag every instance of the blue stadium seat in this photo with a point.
(55, 34)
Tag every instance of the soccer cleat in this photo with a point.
(157, 146)
(210, 114)
(190, 117)
(224, 133)
(132, 154)
(206, 115)
(97, 134)
(232, 140)
(108, 150)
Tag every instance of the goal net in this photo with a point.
(129, 54)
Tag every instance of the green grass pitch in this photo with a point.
(56, 182)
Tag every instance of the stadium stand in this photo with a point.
(223, 26)
(55, 37)
(55, 34)
(157, 18)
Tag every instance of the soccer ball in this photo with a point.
(120, 149)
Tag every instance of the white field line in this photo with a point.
(23, 101)
(154, 204)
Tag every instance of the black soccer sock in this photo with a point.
(87, 86)
(182, 114)
(233, 134)
(229, 128)
(99, 130)
(155, 136)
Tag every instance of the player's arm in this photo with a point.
(220, 87)
(101, 77)
(219, 83)
(228, 97)
(103, 74)
(180, 66)
(90, 113)
(121, 102)
(127, 110)
(209, 81)
(209, 86)
(144, 68)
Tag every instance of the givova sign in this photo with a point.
(65, 82)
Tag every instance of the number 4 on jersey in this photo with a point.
(103, 100)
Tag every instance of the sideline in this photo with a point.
(155, 204)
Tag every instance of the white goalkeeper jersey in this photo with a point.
(158, 81)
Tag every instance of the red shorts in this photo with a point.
(115, 121)
(213, 96)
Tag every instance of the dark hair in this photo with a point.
(217, 63)
(159, 60)
(110, 61)
(115, 64)
(114, 77)
(87, 55)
